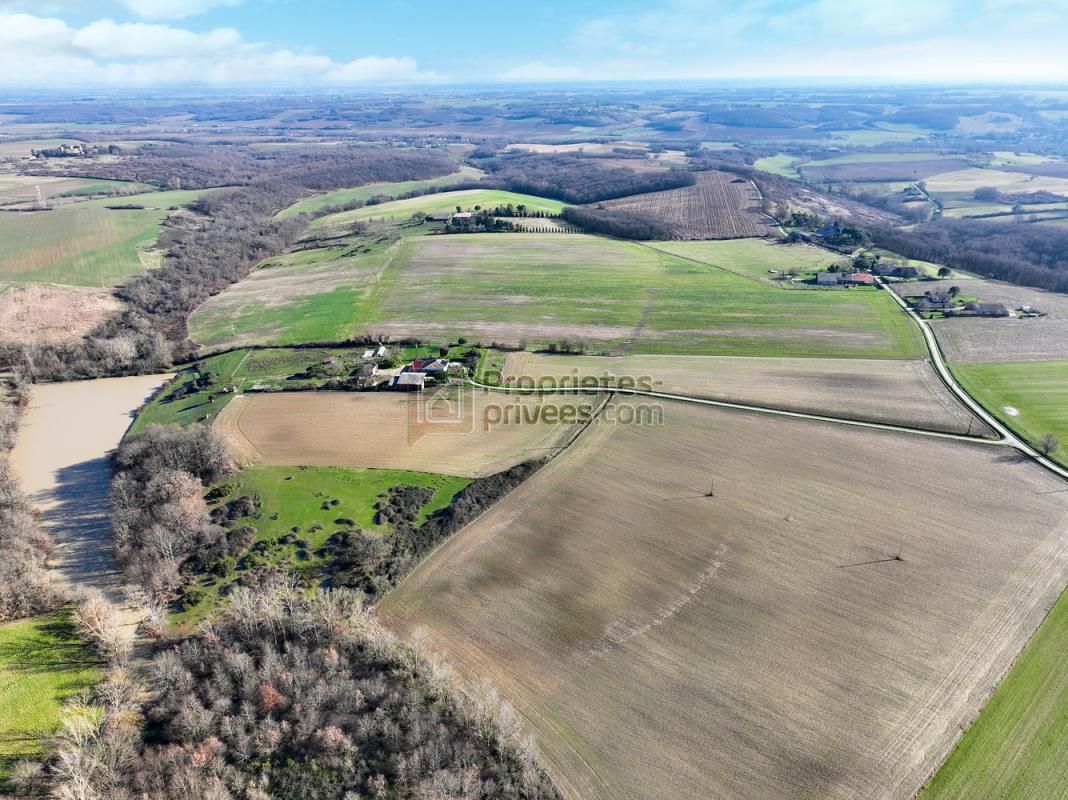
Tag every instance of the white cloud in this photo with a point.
(41, 51)
(539, 72)
(174, 9)
(107, 39)
(375, 68)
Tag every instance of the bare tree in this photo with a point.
(1049, 444)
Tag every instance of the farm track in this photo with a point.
(1008, 436)
(779, 412)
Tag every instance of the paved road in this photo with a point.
(1008, 438)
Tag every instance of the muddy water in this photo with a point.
(61, 463)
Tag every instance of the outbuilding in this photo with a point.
(408, 382)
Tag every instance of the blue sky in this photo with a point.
(335, 44)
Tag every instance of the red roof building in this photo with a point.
(860, 277)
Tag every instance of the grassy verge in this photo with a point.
(42, 664)
(1016, 748)
(297, 510)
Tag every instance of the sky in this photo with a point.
(349, 44)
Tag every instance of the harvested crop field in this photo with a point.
(719, 206)
(968, 180)
(761, 643)
(905, 167)
(463, 433)
(874, 390)
(52, 314)
(1001, 339)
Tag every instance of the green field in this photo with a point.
(306, 506)
(540, 288)
(84, 244)
(442, 202)
(1036, 390)
(782, 165)
(1016, 749)
(755, 257)
(311, 205)
(319, 295)
(42, 664)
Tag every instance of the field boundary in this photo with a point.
(886, 426)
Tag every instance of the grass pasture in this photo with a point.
(540, 288)
(309, 504)
(1030, 396)
(84, 244)
(43, 663)
(439, 203)
(316, 203)
(1015, 749)
(308, 296)
(756, 258)
(719, 206)
(783, 165)
(771, 646)
(459, 432)
(21, 190)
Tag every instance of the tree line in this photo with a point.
(1029, 255)
(26, 588)
(578, 179)
(202, 166)
(618, 223)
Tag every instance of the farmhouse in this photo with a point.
(934, 301)
(827, 278)
(439, 217)
(462, 215)
(859, 278)
(408, 382)
(430, 366)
